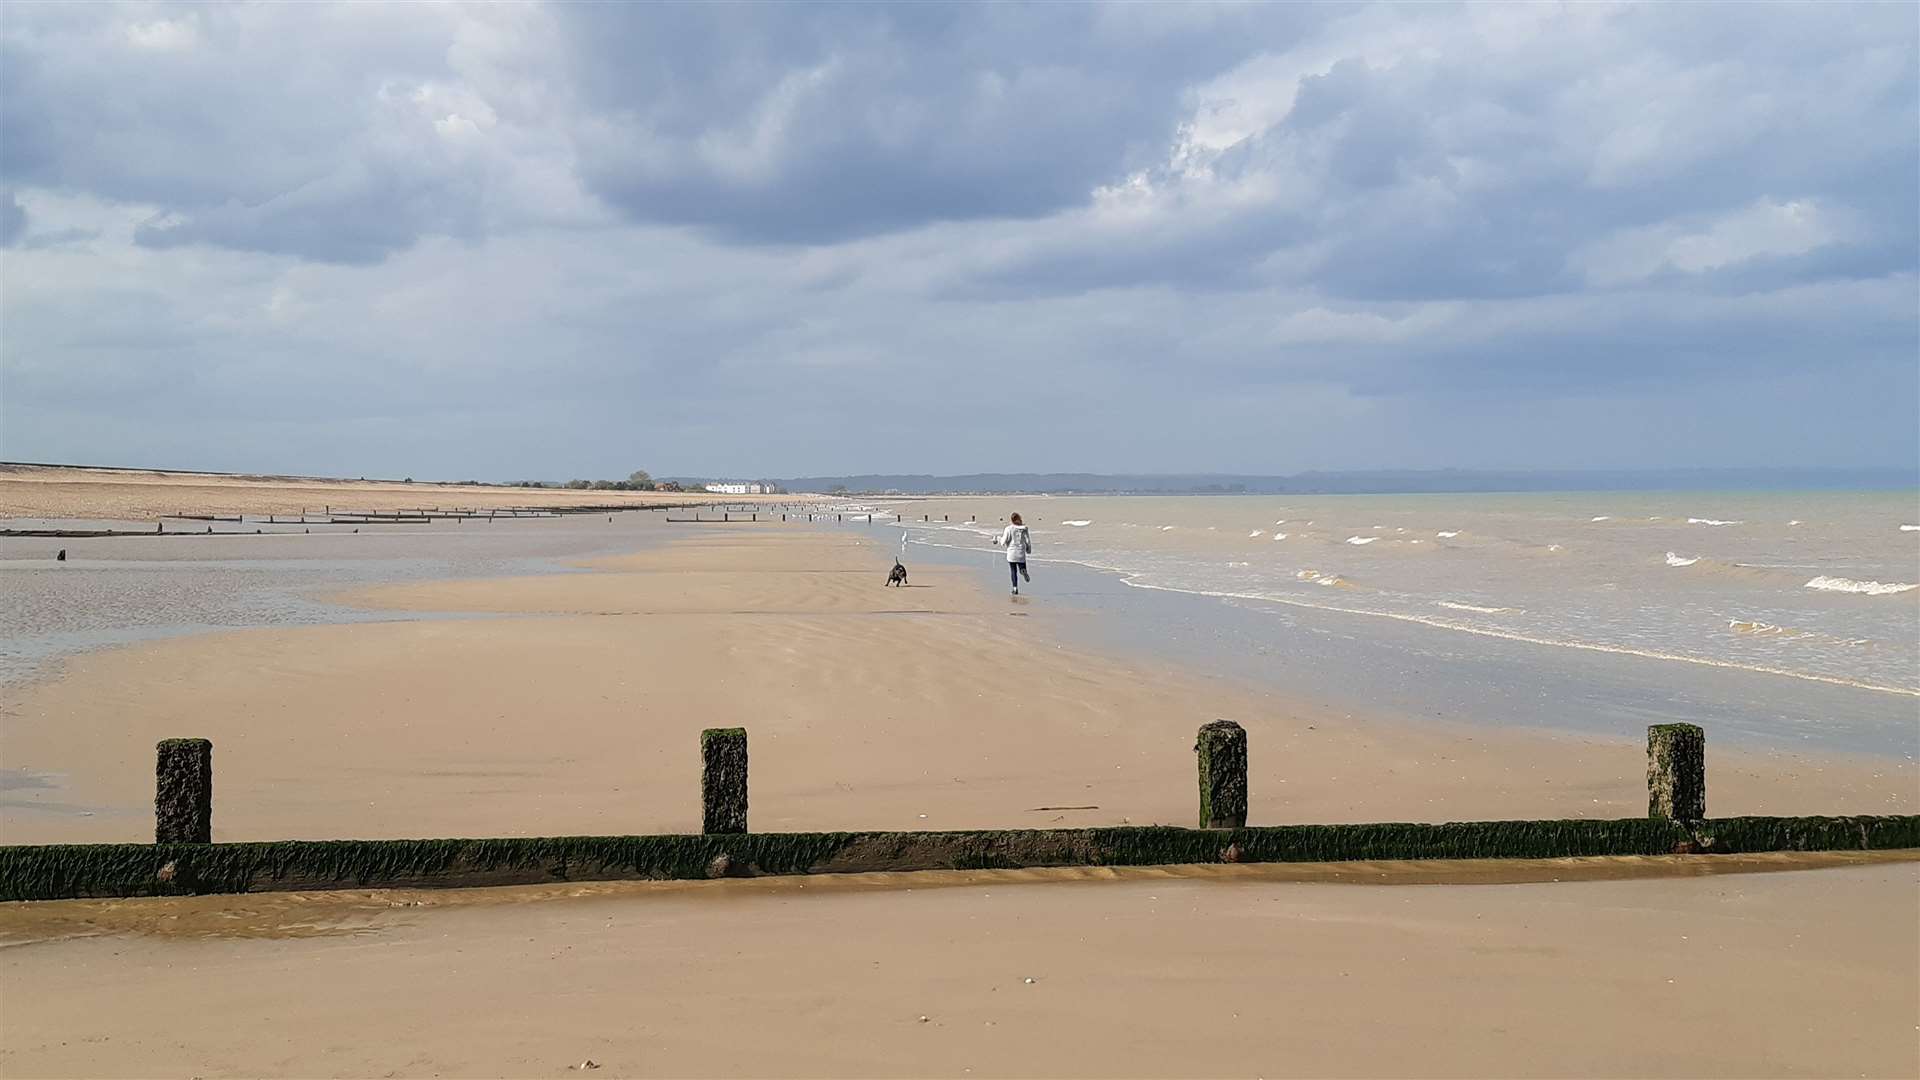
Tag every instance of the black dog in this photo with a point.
(898, 575)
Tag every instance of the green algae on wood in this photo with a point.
(61, 871)
(723, 780)
(1676, 772)
(183, 792)
(1222, 751)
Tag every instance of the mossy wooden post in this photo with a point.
(1222, 747)
(723, 780)
(1676, 772)
(183, 792)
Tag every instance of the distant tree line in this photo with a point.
(638, 480)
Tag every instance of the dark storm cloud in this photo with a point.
(817, 123)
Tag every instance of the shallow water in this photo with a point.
(120, 590)
(1788, 617)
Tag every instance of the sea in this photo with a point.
(1790, 617)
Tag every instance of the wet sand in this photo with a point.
(1140, 973)
(571, 703)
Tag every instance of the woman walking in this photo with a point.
(1018, 542)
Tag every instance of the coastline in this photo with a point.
(1387, 665)
(572, 709)
(575, 705)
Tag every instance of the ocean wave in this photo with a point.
(1359, 540)
(1476, 607)
(1681, 560)
(1910, 528)
(1166, 528)
(1132, 578)
(1864, 588)
(1279, 536)
(1255, 534)
(1077, 524)
(1555, 547)
(1712, 521)
(1447, 535)
(1796, 521)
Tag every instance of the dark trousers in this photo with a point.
(1018, 570)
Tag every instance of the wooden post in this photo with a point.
(723, 780)
(1222, 747)
(183, 792)
(1676, 772)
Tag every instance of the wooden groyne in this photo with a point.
(181, 861)
(340, 516)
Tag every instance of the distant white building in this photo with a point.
(732, 488)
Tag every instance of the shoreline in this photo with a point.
(851, 691)
(574, 708)
(1249, 638)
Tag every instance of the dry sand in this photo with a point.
(34, 491)
(576, 708)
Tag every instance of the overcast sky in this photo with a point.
(573, 240)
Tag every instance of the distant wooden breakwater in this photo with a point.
(329, 515)
(182, 860)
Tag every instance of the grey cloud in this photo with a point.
(501, 240)
(816, 124)
(13, 219)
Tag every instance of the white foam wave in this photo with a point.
(1712, 521)
(1077, 524)
(1447, 535)
(1475, 607)
(1166, 528)
(1132, 580)
(1604, 517)
(1555, 547)
(1279, 536)
(1358, 540)
(1681, 560)
(1864, 588)
(1910, 528)
(1255, 534)
(1282, 521)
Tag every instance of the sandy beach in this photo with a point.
(571, 703)
(575, 708)
(1148, 973)
(34, 491)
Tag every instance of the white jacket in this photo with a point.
(1017, 541)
